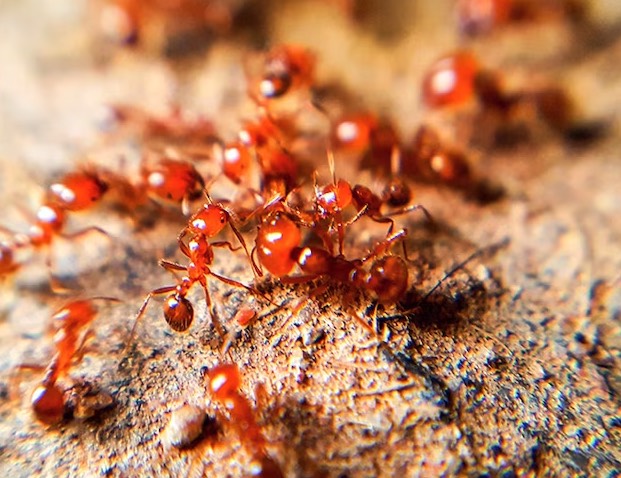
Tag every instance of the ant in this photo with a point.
(476, 17)
(364, 134)
(175, 128)
(332, 199)
(133, 22)
(458, 79)
(224, 386)
(48, 400)
(279, 251)
(265, 140)
(173, 180)
(203, 225)
(286, 68)
(429, 160)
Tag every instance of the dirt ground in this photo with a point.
(512, 367)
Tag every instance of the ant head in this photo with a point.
(209, 221)
(48, 404)
(451, 80)
(388, 278)
(362, 197)
(334, 197)
(397, 192)
(77, 191)
(224, 380)
(178, 312)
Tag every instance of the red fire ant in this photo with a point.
(450, 81)
(265, 140)
(132, 22)
(172, 180)
(278, 249)
(286, 68)
(224, 385)
(69, 322)
(475, 17)
(332, 199)
(203, 225)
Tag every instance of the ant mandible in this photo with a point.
(224, 385)
(69, 322)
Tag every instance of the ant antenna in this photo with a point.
(331, 163)
(491, 248)
(395, 160)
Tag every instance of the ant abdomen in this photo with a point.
(48, 404)
(277, 238)
(178, 312)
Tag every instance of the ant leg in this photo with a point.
(411, 208)
(150, 295)
(479, 252)
(233, 282)
(15, 377)
(56, 285)
(301, 305)
(211, 308)
(385, 220)
(358, 215)
(226, 244)
(257, 272)
(172, 266)
(74, 235)
(340, 228)
(382, 247)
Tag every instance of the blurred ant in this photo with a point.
(476, 17)
(8, 262)
(172, 180)
(286, 69)
(224, 386)
(266, 141)
(69, 322)
(158, 22)
(459, 79)
(190, 134)
(203, 225)
(74, 192)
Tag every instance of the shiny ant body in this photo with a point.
(458, 79)
(48, 399)
(286, 68)
(224, 385)
(279, 250)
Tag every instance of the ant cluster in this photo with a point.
(301, 230)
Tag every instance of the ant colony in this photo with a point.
(270, 193)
